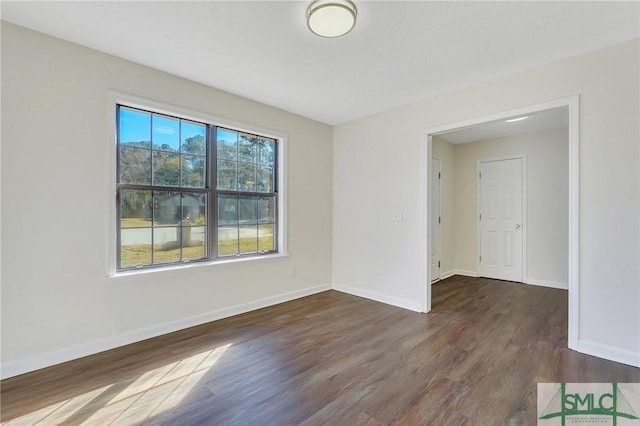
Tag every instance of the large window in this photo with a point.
(192, 191)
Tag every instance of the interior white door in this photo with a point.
(500, 219)
(435, 219)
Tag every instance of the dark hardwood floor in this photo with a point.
(330, 359)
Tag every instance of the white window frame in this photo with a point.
(117, 98)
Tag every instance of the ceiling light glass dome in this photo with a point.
(331, 18)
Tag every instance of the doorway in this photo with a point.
(571, 104)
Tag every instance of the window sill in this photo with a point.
(198, 265)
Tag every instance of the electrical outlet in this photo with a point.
(292, 271)
(396, 217)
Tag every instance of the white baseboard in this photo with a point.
(531, 281)
(608, 352)
(547, 283)
(379, 297)
(37, 362)
(445, 275)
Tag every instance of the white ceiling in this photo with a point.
(535, 122)
(398, 53)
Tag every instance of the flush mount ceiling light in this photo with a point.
(516, 119)
(331, 18)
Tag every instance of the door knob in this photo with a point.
(517, 226)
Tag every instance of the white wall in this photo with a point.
(377, 169)
(546, 156)
(56, 300)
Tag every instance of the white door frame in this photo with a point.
(439, 240)
(573, 105)
(524, 226)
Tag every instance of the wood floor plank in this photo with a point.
(332, 359)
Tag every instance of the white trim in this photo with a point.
(574, 222)
(37, 362)
(176, 269)
(110, 156)
(113, 99)
(453, 272)
(425, 240)
(379, 297)
(523, 191)
(445, 275)
(477, 219)
(439, 241)
(573, 104)
(530, 281)
(546, 283)
(425, 212)
(609, 352)
(525, 216)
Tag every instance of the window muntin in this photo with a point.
(168, 191)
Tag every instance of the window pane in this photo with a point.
(227, 210)
(193, 171)
(227, 175)
(135, 165)
(266, 242)
(134, 128)
(248, 239)
(135, 208)
(267, 209)
(166, 244)
(198, 236)
(135, 247)
(166, 168)
(194, 253)
(247, 210)
(227, 240)
(166, 133)
(247, 148)
(227, 225)
(193, 242)
(193, 209)
(267, 152)
(246, 177)
(227, 144)
(265, 179)
(193, 138)
(167, 208)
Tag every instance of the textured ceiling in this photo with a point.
(398, 53)
(535, 122)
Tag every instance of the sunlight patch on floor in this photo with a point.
(57, 413)
(153, 393)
